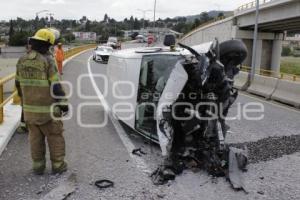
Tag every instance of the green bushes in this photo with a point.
(19, 38)
(68, 37)
(296, 52)
(286, 51)
(290, 65)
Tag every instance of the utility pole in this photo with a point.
(50, 18)
(154, 15)
(253, 65)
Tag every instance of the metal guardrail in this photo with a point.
(10, 77)
(252, 5)
(2, 101)
(72, 52)
(270, 73)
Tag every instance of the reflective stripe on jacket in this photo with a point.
(35, 74)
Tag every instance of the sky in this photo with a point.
(117, 9)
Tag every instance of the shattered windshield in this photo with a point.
(155, 71)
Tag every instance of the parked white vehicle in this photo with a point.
(102, 53)
(141, 38)
(113, 42)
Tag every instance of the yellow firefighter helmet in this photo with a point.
(46, 35)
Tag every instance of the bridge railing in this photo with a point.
(3, 101)
(270, 73)
(251, 5)
(69, 53)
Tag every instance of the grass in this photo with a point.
(290, 65)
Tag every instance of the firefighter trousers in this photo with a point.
(53, 132)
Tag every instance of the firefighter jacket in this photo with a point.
(37, 82)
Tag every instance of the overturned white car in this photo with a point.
(179, 98)
(102, 53)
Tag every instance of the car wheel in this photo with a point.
(233, 50)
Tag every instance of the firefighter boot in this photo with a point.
(38, 167)
(59, 167)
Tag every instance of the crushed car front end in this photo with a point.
(192, 110)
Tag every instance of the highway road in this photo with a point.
(105, 153)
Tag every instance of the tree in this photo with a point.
(286, 51)
(197, 23)
(221, 14)
(136, 24)
(11, 31)
(19, 38)
(131, 21)
(204, 17)
(69, 37)
(106, 18)
(87, 25)
(83, 19)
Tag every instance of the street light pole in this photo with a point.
(253, 64)
(37, 17)
(50, 18)
(154, 15)
(42, 11)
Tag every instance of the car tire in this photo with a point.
(233, 50)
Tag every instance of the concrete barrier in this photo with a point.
(287, 92)
(263, 86)
(240, 80)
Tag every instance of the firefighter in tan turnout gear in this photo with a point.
(43, 97)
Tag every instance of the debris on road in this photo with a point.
(101, 184)
(63, 190)
(138, 152)
(162, 175)
(260, 192)
(237, 165)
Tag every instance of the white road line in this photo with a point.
(140, 163)
(270, 102)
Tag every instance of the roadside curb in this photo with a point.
(12, 115)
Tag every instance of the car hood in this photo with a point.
(103, 53)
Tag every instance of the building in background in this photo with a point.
(85, 36)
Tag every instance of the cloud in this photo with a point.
(53, 2)
(117, 9)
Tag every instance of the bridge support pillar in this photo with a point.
(259, 48)
(276, 56)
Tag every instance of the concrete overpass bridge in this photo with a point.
(275, 17)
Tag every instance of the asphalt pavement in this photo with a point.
(104, 153)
